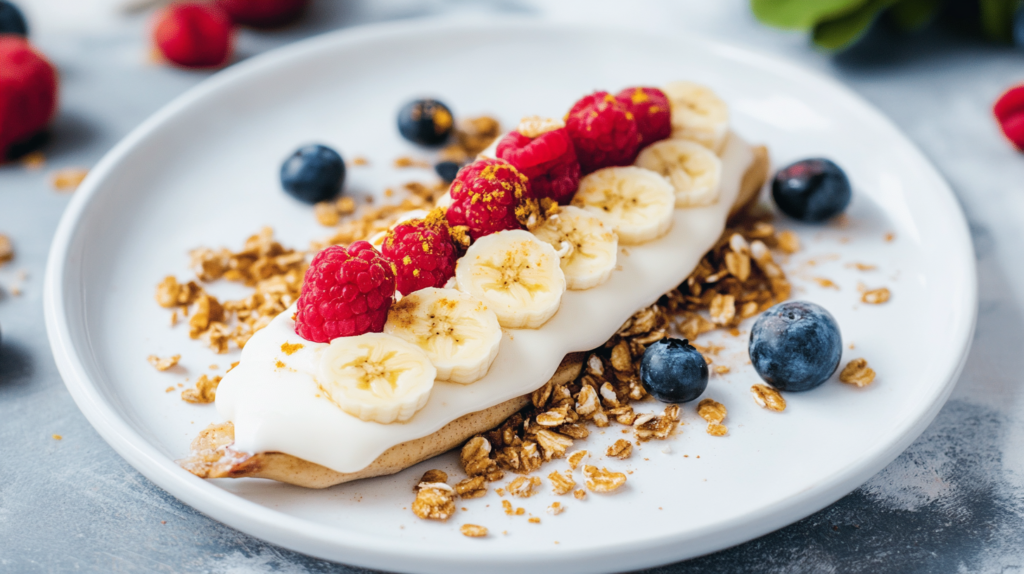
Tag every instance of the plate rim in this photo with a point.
(359, 549)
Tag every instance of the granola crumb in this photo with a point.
(345, 205)
(715, 429)
(360, 160)
(68, 179)
(507, 506)
(431, 476)
(875, 296)
(533, 520)
(34, 160)
(620, 450)
(169, 389)
(562, 482)
(825, 283)
(205, 391)
(555, 509)
(857, 372)
(523, 486)
(788, 242)
(473, 487)
(890, 236)
(768, 398)
(58, 437)
(163, 364)
(326, 213)
(580, 494)
(279, 365)
(722, 369)
(473, 531)
(861, 266)
(434, 501)
(6, 249)
(602, 480)
(407, 162)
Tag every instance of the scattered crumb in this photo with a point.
(57, 437)
(555, 509)
(406, 162)
(169, 389)
(861, 266)
(857, 372)
(533, 520)
(434, 501)
(163, 364)
(875, 296)
(890, 236)
(580, 494)
(602, 480)
(34, 160)
(68, 179)
(825, 283)
(279, 364)
(6, 249)
(473, 531)
(721, 369)
(205, 391)
(359, 160)
(788, 242)
(290, 348)
(714, 412)
(620, 450)
(326, 213)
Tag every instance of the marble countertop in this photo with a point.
(954, 501)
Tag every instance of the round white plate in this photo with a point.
(203, 172)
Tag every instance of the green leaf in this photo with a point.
(911, 15)
(842, 32)
(997, 18)
(801, 14)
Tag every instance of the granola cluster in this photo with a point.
(275, 273)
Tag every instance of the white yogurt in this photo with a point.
(280, 408)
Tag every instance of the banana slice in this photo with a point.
(516, 275)
(635, 202)
(458, 333)
(376, 377)
(590, 247)
(694, 170)
(698, 114)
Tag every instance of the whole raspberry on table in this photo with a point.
(263, 13)
(603, 131)
(421, 252)
(491, 195)
(545, 156)
(650, 109)
(346, 292)
(194, 35)
(1009, 112)
(28, 92)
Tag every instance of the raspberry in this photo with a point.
(194, 35)
(421, 253)
(1009, 111)
(28, 92)
(490, 195)
(603, 131)
(548, 160)
(346, 292)
(651, 110)
(263, 13)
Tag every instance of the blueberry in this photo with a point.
(811, 190)
(795, 346)
(425, 122)
(11, 19)
(313, 173)
(447, 170)
(673, 371)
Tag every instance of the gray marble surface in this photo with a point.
(953, 502)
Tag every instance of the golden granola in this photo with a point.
(875, 296)
(473, 487)
(711, 411)
(434, 501)
(523, 486)
(620, 450)
(163, 364)
(473, 530)
(562, 482)
(430, 476)
(767, 397)
(205, 391)
(6, 249)
(576, 458)
(68, 179)
(556, 508)
(602, 480)
(857, 372)
(579, 494)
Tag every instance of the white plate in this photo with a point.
(203, 171)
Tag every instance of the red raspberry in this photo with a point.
(651, 110)
(194, 35)
(603, 131)
(421, 253)
(1009, 111)
(263, 13)
(346, 292)
(490, 195)
(28, 92)
(548, 160)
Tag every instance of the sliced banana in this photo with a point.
(698, 114)
(693, 170)
(635, 202)
(458, 332)
(376, 377)
(516, 275)
(590, 247)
